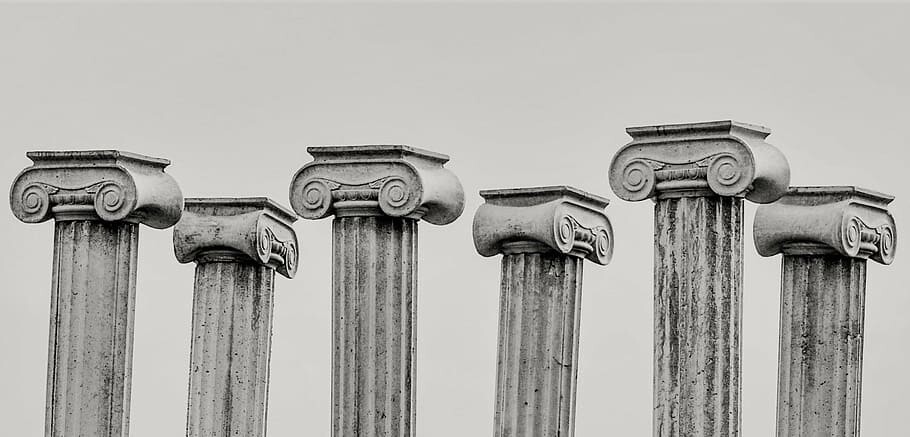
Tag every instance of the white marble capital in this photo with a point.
(109, 185)
(563, 219)
(392, 180)
(255, 228)
(850, 221)
(723, 158)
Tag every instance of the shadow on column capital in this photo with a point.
(392, 180)
(253, 228)
(563, 219)
(850, 221)
(723, 158)
(107, 185)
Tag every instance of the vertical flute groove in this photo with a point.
(697, 286)
(537, 363)
(90, 347)
(820, 366)
(230, 351)
(374, 317)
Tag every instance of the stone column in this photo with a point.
(698, 175)
(825, 234)
(544, 234)
(377, 195)
(237, 244)
(97, 199)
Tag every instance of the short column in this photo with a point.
(237, 244)
(825, 234)
(698, 175)
(544, 235)
(97, 200)
(377, 195)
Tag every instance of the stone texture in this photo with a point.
(238, 244)
(698, 175)
(544, 235)
(377, 194)
(697, 316)
(97, 199)
(825, 234)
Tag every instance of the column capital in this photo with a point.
(393, 180)
(226, 228)
(723, 158)
(560, 218)
(850, 221)
(109, 185)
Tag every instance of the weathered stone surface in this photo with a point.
(238, 244)
(849, 221)
(93, 297)
(377, 194)
(97, 199)
(698, 174)
(697, 311)
(400, 181)
(255, 228)
(725, 158)
(544, 234)
(821, 345)
(91, 184)
(564, 219)
(826, 234)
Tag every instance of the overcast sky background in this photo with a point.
(517, 95)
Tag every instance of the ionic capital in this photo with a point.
(723, 158)
(252, 228)
(108, 185)
(850, 221)
(563, 219)
(398, 181)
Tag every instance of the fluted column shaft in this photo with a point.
(821, 345)
(697, 306)
(374, 311)
(537, 363)
(231, 346)
(91, 328)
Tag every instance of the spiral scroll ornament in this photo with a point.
(852, 235)
(638, 180)
(314, 200)
(886, 244)
(36, 203)
(264, 243)
(603, 247)
(565, 233)
(111, 202)
(396, 197)
(725, 175)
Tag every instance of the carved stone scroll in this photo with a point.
(825, 234)
(237, 244)
(377, 194)
(97, 199)
(698, 175)
(544, 235)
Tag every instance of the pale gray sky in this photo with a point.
(517, 95)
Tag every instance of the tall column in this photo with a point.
(544, 234)
(97, 199)
(237, 244)
(698, 175)
(377, 195)
(825, 234)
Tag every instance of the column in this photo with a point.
(237, 245)
(544, 235)
(825, 234)
(97, 199)
(377, 194)
(698, 175)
